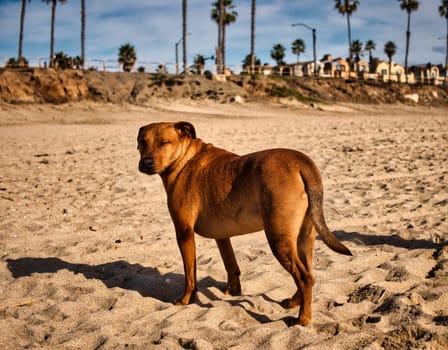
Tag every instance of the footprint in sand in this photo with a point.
(369, 292)
(397, 274)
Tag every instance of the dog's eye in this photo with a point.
(165, 142)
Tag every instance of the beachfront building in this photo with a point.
(302, 69)
(334, 67)
(396, 74)
(426, 74)
(361, 68)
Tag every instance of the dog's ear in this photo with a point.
(185, 129)
(140, 131)
(139, 136)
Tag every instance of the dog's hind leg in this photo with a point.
(231, 265)
(305, 248)
(283, 234)
(285, 250)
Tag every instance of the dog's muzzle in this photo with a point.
(146, 165)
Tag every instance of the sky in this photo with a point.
(154, 26)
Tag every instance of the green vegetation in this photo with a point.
(284, 91)
(298, 47)
(62, 61)
(278, 54)
(224, 14)
(346, 8)
(127, 56)
(17, 63)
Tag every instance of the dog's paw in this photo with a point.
(180, 302)
(289, 303)
(185, 300)
(303, 321)
(233, 288)
(232, 291)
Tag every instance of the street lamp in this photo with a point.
(176, 47)
(314, 42)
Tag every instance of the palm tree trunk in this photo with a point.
(184, 35)
(390, 69)
(446, 55)
(220, 26)
(83, 32)
(22, 21)
(252, 37)
(357, 66)
(223, 48)
(408, 37)
(53, 15)
(349, 45)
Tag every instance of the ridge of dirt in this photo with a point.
(53, 86)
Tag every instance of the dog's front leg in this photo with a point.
(185, 240)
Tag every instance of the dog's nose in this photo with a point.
(146, 165)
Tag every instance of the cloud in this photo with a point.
(439, 49)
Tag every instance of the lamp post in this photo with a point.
(314, 42)
(176, 48)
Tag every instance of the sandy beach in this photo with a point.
(88, 254)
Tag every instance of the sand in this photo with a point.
(88, 256)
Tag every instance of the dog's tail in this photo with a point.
(314, 188)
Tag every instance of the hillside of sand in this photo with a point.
(62, 86)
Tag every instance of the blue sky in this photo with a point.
(154, 26)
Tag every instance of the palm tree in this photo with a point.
(184, 35)
(247, 63)
(199, 63)
(252, 36)
(229, 18)
(298, 47)
(161, 69)
(390, 49)
(443, 11)
(53, 16)
(83, 32)
(77, 62)
(15, 63)
(370, 46)
(224, 13)
(278, 54)
(408, 6)
(357, 52)
(22, 22)
(62, 61)
(127, 56)
(347, 7)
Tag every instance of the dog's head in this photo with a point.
(161, 144)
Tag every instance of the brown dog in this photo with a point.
(219, 194)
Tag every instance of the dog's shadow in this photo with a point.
(147, 281)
